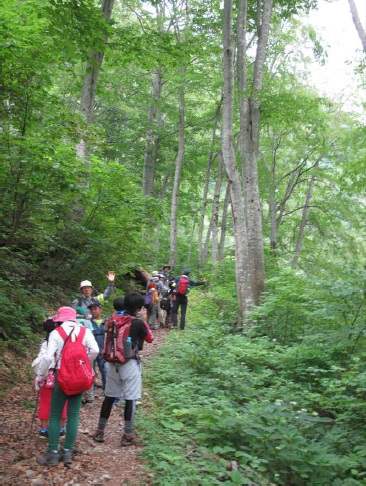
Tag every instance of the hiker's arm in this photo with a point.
(75, 303)
(149, 338)
(138, 333)
(48, 357)
(196, 284)
(109, 290)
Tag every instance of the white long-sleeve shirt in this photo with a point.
(56, 343)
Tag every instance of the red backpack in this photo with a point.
(183, 285)
(117, 347)
(75, 374)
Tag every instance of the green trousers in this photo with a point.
(73, 409)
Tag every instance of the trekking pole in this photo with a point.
(34, 414)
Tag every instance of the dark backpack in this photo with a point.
(183, 285)
(148, 300)
(75, 374)
(164, 303)
(117, 346)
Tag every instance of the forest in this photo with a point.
(188, 132)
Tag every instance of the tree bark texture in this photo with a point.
(207, 182)
(178, 173)
(249, 135)
(357, 23)
(152, 136)
(87, 101)
(215, 212)
(92, 73)
(243, 267)
(224, 224)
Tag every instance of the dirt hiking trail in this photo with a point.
(98, 464)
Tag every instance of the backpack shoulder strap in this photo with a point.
(62, 332)
(81, 335)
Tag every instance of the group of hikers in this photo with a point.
(165, 295)
(78, 339)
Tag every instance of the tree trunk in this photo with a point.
(211, 158)
(87, 106)
(224, 224)
(177, 175)
(207, 242)
(243, 267)
(215, 212)
(92, 72)
(249, 137)
(272, 196)
(358, 24)
(304, 216)
(152, 137)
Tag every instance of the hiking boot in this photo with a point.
(43, 433)
(98, 436)
(67, 457)
(49, 458)
(87, 400)
(130, 440)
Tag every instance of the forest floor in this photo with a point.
(94, 463)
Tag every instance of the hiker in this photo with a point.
(162, 291)
(81, 317)
(45, 388)
(86, 290)
(125, 380)
(180, 299)
(98, 330)
(167, 302)
(150, 302)
(71, 328)
(165, 272)
(152, 283)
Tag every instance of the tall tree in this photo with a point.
(358, 24)
(181, 35)
(243, 269)
(211, 157)
(249, 104)
(87, 102)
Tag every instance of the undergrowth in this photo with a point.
(240, 409)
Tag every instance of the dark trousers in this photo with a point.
(102, 368)
(182, 302)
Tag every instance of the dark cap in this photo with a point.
(94, 303)
(186, 271)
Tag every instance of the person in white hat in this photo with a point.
(86, 291)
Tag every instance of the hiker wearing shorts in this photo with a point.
(125, 380)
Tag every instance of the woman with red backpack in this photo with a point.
(69, 340)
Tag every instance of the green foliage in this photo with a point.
(296, 307)
(285, 414)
